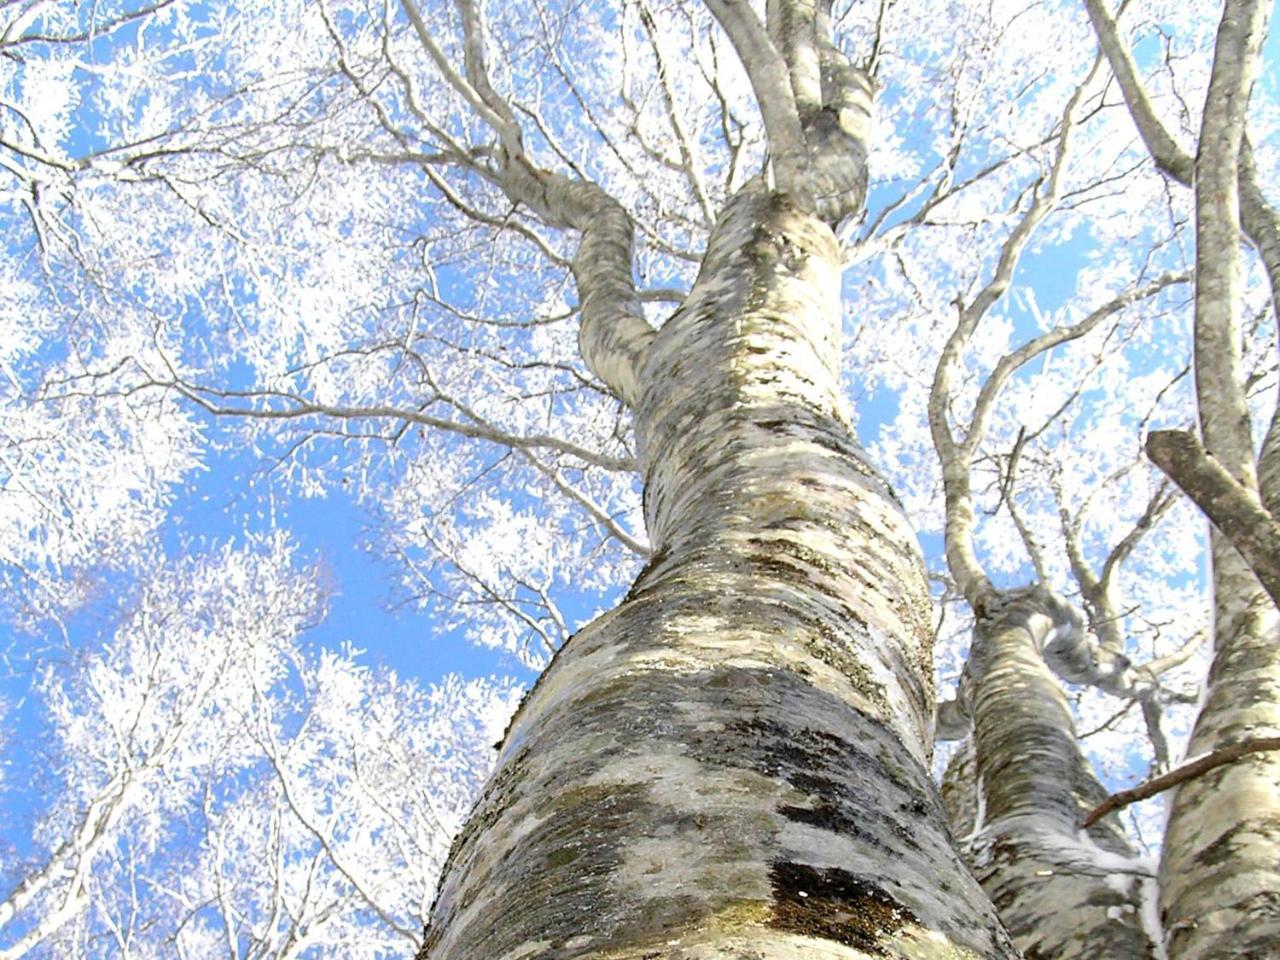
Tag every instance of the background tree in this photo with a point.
(1220, 859)
(415, 257)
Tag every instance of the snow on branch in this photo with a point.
(614, 333)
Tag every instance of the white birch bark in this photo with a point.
(612, 331)
(1018, 802)
(1258, 219)
(1221, 867)
(732, 763)
(1221, 857)
(1018, 795)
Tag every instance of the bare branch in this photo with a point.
(957, 455)
(1164, 149)
(771, 81)
(299, 407)
(1188, 771)
(613, 333)
(598, 513)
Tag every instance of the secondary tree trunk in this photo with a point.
(1220, 874)
(733, 762)
(1017, 792)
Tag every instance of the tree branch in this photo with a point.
(1220, 393)
(1234, 509)
(771, 82)
(1164, 149)
(1257, 217)
(1188, 771)
(613, 333)
(816, 105)
(222, 403)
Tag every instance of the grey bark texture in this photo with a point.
(1220, 870)
(1017, 793)
(1234, 509)
(733, 762)
(1220, 875)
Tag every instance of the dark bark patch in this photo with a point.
(562, 857)
(830, 817)
(1226, 848)
(834, 904)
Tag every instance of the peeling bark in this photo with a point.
(733, 762)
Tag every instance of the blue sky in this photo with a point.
(225, 501)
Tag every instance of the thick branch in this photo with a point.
(1164, 149)
(956, 455)
(613, 333)
(771, 82)
(1223, 409)
(1258, 217)
(816, 104)
(840, 135)
(1234, 508)
(793, 29)
(1188, 771)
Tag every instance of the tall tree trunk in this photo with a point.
(1017, 793)
(732, 763)
(1220, 874)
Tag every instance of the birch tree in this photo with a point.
(215, 790)
(581, 300)
(1220, 852)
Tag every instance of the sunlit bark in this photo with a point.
(1021, 786)
(735, 757)
(1221, 856)
(1061, 891)
(1221, 864)
(735, 760)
